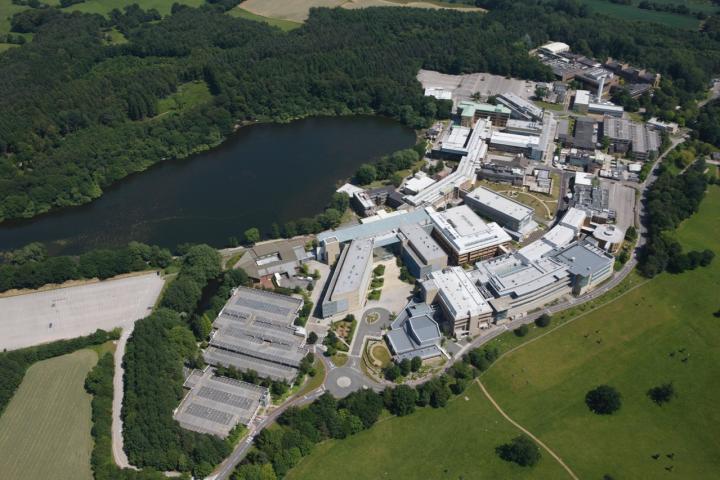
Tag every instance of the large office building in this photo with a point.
(215, 405)
(465, 309)
(415, 333)
(528, 145)
(349, 282)
(466, 237)
(512, 215)
(471, 112)
(588, 264)
(254, 331)
(519, 285)
(420, 253)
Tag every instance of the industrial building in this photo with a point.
(465, 310)
(528, 145)
(510, 214)
(349, 282)
(215, 405)
(540, 181)
(415, 333)
(606, 108)
(254, 331)
(584, 135)
(471, 112)
(520, 108)
(626, 136)
(582, 101)
(420, 253)
(466, 237)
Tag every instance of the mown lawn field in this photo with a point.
(663, 331)
(448, 443)
(45, 430)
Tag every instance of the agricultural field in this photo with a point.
(448, 443)
(285, 25)
(45, 430)
(297, 11)
(663, 331)
(631, 12)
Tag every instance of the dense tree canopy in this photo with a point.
(79, 114)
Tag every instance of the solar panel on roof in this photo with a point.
(208, 413)
(227, 398)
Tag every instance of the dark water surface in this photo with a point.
(263, 174)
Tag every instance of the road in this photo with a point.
(121, 459)
(227, 467)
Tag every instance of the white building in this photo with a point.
(582, 101)
(419, 182)
(464, 308)
(512, 215)
(466, 237)
(350, 279)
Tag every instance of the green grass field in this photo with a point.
(45, 431)
(187, 96)
(635, 343)
(448, 443)
(285, 25)
(631, 12)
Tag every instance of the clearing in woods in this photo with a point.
(45, 430)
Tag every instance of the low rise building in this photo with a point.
(669, 127)
(582, 101)
(348, 284)
(282, 256)
(609, 237)
(500, 173)
(466, 237)
(419, 182)
(363, 204)
(415, 333)
(471, 112)
(420, 253)
(465, 310)
(588, 264)
(215, 405)
(255, 331)
(512, 215)
(540, 181)
(521, 109)
(528, 145)
(606, 108)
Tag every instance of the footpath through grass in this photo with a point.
(45, 431)
(663, 331)
(448, 443)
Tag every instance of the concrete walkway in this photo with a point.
(527, 432)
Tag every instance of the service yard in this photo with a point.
(50, 315)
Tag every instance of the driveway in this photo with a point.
(341, 381)
(369, 329)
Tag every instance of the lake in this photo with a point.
(262, 174)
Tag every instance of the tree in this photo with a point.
(405, 367)
(365, 404)
(540, 92)
(251, 235)
(182, 295)
(415, 364)
(603, 400)
(366, 174)
(521, 450)
(403, 400)
(312, 338)
(521, 331)
(543, 320)
(631, 234)
(662, 393)
(392, 372)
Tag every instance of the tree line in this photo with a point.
(31, 267)
(670, 200)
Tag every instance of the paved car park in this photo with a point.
(50, 315)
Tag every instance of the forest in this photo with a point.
(80, 113)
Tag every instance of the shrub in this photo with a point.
(521, 450)
(603, 400)
(415, 364)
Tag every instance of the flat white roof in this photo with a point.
(574, 218)
(559, 236)
(556, 47)
(582, 97)
(352, 270)
(605, 107)
(458, 293)
(535, 250)
(456, 139)
(465, 231)
(513, 275)
(350, 189)
(439, 93)
(500, 203)
(514, 140)
(419, 184)
(582, 178)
